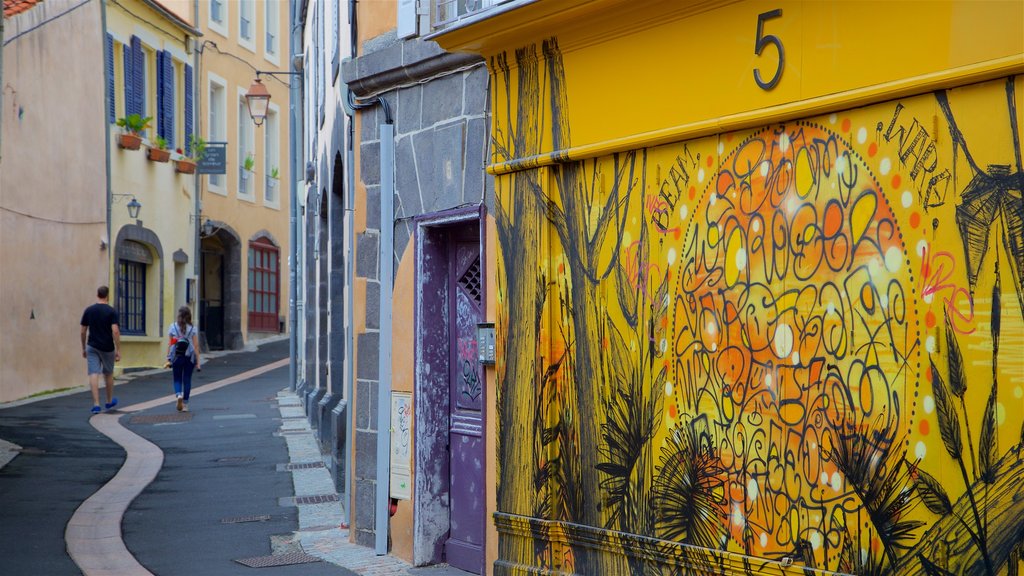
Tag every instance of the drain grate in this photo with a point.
(161, 418)
(279, 560)
(318, 499)
(236, 459)
(241, 519)
(304, 465)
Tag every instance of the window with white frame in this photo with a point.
(217, 129)
(246, 23)
(272, 155)
(272, 32)
(218, 17)
(246, 151)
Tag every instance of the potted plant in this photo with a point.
(184, 164)
(134, 125)
(187, 164)
(273, 177)
(247, 166)
(158, 152)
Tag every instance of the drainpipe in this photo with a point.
(197, 106)
(294, 104)
(387, 280)
(106, 134)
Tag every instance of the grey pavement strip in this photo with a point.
(320, 533)
(93, 535)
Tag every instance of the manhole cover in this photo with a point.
(161, 418)
(279, 560)
(241, 519)
(318, 499)
(304, 465)
(236, 459)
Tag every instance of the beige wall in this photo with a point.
(52, 190)
(232, 63)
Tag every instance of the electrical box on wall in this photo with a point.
(485, 343)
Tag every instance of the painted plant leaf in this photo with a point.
(931, 569)
(987, 444)
(957, 379)
(949, 422)
(996, 320)
(932, 493)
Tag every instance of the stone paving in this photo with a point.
(321, 532)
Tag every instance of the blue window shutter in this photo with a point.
(129, 81)
(188, 110)
(168, 88)
(111, 105)
(161, 122)
(138, 76)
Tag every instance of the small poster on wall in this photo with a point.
(401, 445)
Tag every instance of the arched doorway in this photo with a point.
(220, 285)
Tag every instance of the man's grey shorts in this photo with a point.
(100, 362)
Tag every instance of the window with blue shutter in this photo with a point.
(111, 104)
(129, 80)
(161, 122)
(165, 97)
(138, 77)
(188, 110)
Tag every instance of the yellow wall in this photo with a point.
(166, 195)
(52, 196)
(767, 324)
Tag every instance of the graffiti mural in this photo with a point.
(800, 344)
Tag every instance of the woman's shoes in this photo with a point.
(181, 404)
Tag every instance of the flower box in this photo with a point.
(158, 155)
(185, 166)
(129, 141)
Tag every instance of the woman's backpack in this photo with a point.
(181, 345)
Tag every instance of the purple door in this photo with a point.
(464, 548)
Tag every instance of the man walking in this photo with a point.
(101, 346)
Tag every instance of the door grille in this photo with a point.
(470, 281)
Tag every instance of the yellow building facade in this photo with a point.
(149, 74)
(760, 303)
(243, 288)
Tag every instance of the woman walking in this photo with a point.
(183, 355)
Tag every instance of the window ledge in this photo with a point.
(140, 339)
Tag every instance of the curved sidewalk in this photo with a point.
(93, 535)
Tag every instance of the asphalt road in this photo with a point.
(223, 464)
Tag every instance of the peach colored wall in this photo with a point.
(52, 197)
(232, 62)
(403, 379)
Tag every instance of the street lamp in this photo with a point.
(133, 208)
(258, 97)
(133, 205)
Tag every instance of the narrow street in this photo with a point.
(223, 500)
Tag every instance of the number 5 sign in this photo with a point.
(761, 41)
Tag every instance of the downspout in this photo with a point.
(387, 280)
(106, 134)
(294, 101)
(197, 179)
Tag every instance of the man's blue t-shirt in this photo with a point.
(100, 318)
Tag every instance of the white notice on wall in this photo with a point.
(401, 445)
